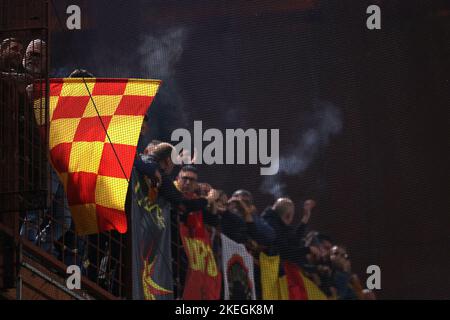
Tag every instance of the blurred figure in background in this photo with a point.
(35, 59)
(11, 54)
(318, 266)
(341, 266)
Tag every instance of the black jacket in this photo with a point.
(288, 239)
(233, 226)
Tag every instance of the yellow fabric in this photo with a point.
(283, 291)
(314, 293)
(273, 287)
(81, 150)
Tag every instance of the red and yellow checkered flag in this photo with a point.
(94, 165)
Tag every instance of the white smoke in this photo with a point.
(324, 122)
(160, 53)
(158, 56)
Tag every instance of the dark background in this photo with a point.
(381, 180)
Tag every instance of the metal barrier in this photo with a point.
(30, 190)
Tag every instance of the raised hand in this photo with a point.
(307, 210)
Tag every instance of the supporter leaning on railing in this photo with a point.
(288, 238)
(326, 264)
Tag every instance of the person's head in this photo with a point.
(11, 51)
(162, 152)
(243, 195)
(338, 252)
(323, 242)
(81, 73)
(240, 195)
(312, 241)
(203, 189)
(285, 209)
(222, 200)
(339, 258)
(326, 243)
(149, 148)
(188, 178)
(35, 59)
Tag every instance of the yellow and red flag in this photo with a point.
(93, 133)
(293, 285)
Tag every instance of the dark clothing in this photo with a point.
(235, 228)
(260, 231)
(148, 165)
(210, 218)
(288, 239)
(342, 284)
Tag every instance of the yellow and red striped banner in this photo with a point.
(93, 168)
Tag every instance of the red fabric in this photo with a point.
(110, 219)
(296, 286)
(81, 153)
(109, 88)
(203, 279)
(109, 166)
(87, 129)
(81, 188)
(60, 156)
(133, 105)
(70, 107)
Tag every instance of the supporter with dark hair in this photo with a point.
(156, 164)
(342, 275)
(187, 179)
(81, 73)
(187, 183)
(230, 224)
(11, 54)
(318, 266)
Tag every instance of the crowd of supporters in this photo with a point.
(271, 230)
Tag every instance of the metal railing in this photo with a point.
(29, 188)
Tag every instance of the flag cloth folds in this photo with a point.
(237, 266)
(293, 285)
(203, 278)
(94, 126)
(271, 286)
(151, 239)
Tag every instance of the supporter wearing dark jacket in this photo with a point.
(256, 228)
(233, 227)
(342, 274)
(187, 184)
(156, 164)
(230, 224)
(288, 238)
